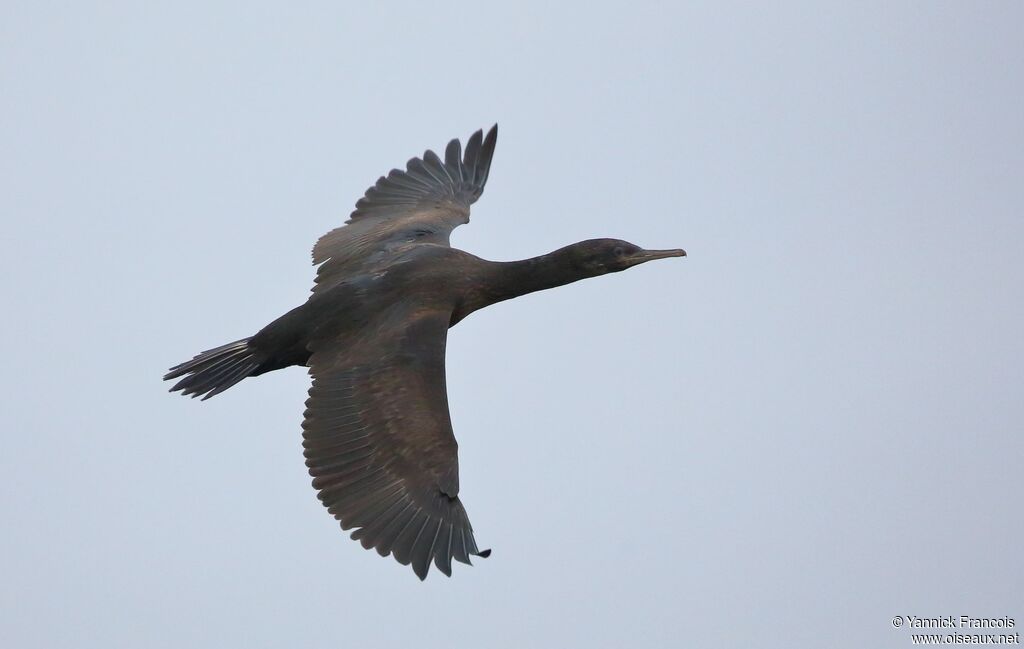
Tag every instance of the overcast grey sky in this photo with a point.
(807, 427)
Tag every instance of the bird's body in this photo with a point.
(377, 435)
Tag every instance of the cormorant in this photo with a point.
(377, 436)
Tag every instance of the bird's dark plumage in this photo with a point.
(377, 435)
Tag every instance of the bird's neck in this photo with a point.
(504, 280)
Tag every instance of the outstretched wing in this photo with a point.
(379, 444)
(422, 204)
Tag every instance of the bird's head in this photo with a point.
(600, 256)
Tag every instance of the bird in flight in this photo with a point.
(377, 435)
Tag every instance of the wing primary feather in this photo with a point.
(459, 548)
(406, 537)
(443, 558)
(433, 163)
(472, 151)
(453, 156)
(391, 531)
(486, 154)
(423, 548)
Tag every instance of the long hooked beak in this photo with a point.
(650, 255)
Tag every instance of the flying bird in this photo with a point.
(377, 435)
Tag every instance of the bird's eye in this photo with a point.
(618, 252)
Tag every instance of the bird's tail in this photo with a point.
(215, 370)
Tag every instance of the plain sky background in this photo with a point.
(807, 427)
